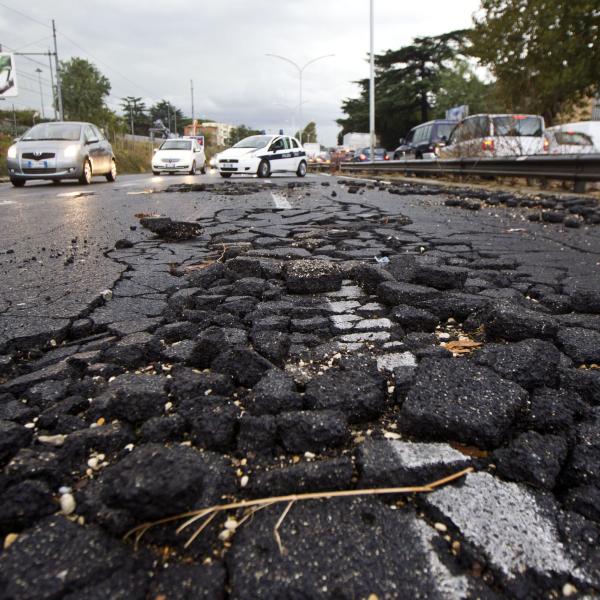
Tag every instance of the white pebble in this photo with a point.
(29, 425)
(64, 489)
(107, 295)
(93, 463)
(67, 504)
(168, 406)
(52, 440)
(244, 481)
(569, 589)
(441, 527)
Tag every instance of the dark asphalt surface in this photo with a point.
(268, 352)
(53, 240)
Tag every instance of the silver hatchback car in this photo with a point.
(61, 150)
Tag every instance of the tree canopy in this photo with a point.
(545, 54)
(84, 91)
(309, 133)
(416, 83)
(239, 133)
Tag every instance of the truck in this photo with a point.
(356, 141)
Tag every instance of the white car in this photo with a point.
(179, 156)
(262, 155)
(497, 135)
(564, 140)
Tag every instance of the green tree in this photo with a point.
(309, 133)
(545, 54)
(84, 91)
(135, 113)
(460, 85)
(239, 133)
(414, 84)
(169, 115)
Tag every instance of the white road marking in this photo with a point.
(3, 202)
(280, 201)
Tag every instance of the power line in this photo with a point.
(108, 66)
(34, 78)
(47, 37)
(24, 15)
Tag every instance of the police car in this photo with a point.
(263, 155)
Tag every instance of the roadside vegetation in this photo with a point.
(540, 57)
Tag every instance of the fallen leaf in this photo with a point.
(462, 346)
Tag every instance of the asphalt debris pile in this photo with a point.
(167, 229)
(289, 360)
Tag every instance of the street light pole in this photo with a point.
(372, 87)
(300, 73)
(39, 72)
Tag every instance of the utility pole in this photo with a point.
(169, 116)
(175, 120)
(52, 85)
(192, 91)
(39, 72)
(131, 116)
(61, 111)
(372, 87)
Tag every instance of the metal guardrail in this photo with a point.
(580, 168)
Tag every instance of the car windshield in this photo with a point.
(518, 125)
(53, 131)
(254, 141)
(176, 145)
(573, 138)
(444, 130)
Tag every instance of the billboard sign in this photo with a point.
(457, 113)
(8, 75)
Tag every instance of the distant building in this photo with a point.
(219, 132)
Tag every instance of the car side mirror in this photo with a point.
(92, 141)
(154, 150)
(402, 141)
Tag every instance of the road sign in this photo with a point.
(457, 113)
(8, 75)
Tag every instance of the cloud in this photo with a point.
(153, 49)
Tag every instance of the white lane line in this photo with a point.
(3, 202)
(280, 201)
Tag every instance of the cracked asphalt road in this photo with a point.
(53, 241)
(316, 335)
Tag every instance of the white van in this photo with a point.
(497, 135)
(589, 128)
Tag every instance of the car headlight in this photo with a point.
(71, 151)
(12, 151)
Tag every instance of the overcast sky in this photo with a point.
(152, 49)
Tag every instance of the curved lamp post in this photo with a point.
(300, 70)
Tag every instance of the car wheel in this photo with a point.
(56, 181)
(301, 172)
(203, 169)
(264, 170)
(193, 169)
(86, 173)
(155, 172)
(18, 182)
(226, 175)
(112, 174)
